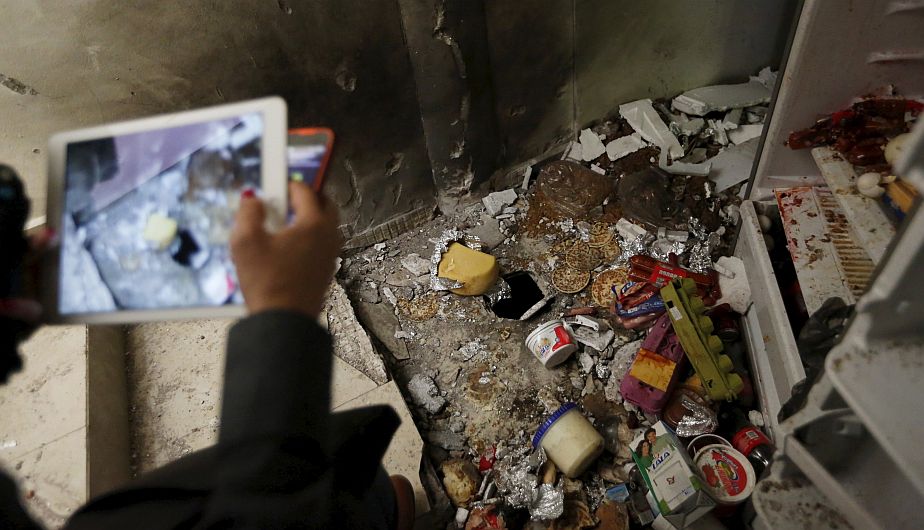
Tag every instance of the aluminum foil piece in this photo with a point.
(663, 247)
(699, 258)
(548, 502)
(447, 238)
(634, 247)
(500, 291)
(698, 420)
(516, 478)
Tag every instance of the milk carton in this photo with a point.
(670, 475)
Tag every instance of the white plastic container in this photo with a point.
(569, 440)
(551, 343)
(727, 474)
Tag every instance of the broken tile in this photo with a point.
(732, 119)
(591, 145)
(646, 121)
(350, 341)
(348, 383)
(405, 451)
(766, 77)
(703, 100)
(626, 145)
(682, 168)
(488, 232)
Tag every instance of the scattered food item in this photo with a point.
(583, 257)
(727, 474)
(613, 515)
(703, 100)
(569, 280)
(551, 343)
(425, 394)
(703, 349)
(422, 308)
(668, 469)
(461, 479)
(895, 147)
(495, 202)
(660, 273)
(607, 284)
(475, 270)
(624, 146)
(646, 121)
(755, 446)
(160, 230)
(869, 184)
(569, 440)
(600, 235)
(591, 146)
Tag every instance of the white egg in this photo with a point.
(764, 222)
(895, 147)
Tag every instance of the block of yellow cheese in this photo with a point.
(653, 369)
(160, 230)
(477, 271)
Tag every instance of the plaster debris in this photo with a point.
(425, 394)
(494, 203)
(527, 174)
(629, 230)
(379, 247)
(621, 147)
(745, 132)
(488, 231)
(586, 362)
(573, 152)
(591, 146)
(703, 100)
(470, 350)
(448, 440)
(646, 121)
(682, 168)
(597, 169)
(415, 264)
(717, 130)
(766, 77)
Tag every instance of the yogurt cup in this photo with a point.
(569, 440)
(551, 343)
(727, 474)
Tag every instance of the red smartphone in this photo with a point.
(308, 152)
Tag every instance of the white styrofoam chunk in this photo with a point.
(704, 100)
(691, 127)
(494, 203)
(646, 121)
(733, 165)
(574, 152)
(597, 169)
(681, 168)
(745, 132)
(624, 146)
(732, 119)
(591, 146)
(629, 230)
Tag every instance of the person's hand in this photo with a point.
(292, 268)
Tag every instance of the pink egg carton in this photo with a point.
(662, 341)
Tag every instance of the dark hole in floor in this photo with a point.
(187, 249)
(525, 293)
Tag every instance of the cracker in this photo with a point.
(602, 290)
(611, 250)
(600, 235)
(583, 257)
(421, 308)
(569, 280)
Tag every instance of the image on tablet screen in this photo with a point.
(147, 216)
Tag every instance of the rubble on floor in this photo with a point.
(533, 310)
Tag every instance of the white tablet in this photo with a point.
(144, 210)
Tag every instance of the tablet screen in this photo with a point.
(147, 216)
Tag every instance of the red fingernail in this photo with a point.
(248, 193)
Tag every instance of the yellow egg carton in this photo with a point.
(703, 349)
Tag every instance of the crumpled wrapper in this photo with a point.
(700, 255)
(699, 420)
(516, 478)
(634, 247)
(662, 248)
(442, 245)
